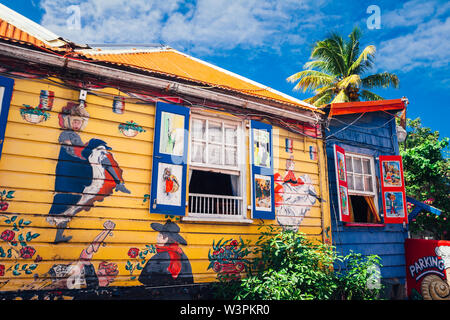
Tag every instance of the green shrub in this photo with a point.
(288, 266)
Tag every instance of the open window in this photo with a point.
(216, 169)
(356, 184)
(363, 199)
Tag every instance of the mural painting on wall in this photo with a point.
(5, 196)
(227, 259)
(169, 191)
(263, 193)
(130, 129)
(81, 273)
(39, 114)
(394, 204)
(294, 197)
(170, 265)
(391, 174)
(15, 245)
(172, 134)
(261, 148)
(138, 259)
(428, 269)
(119, 105)
(85, 173)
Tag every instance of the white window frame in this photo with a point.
(239, 169)
(354, 192)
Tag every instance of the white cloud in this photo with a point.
(201, 26)
(424, 44)
(410, 14)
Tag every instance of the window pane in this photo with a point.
(215, 131)
(350, 181)
(214, 154)
(357, 165)
(368, 183)
(366, 166)
(198, 152)
(231, 156)
(359, 183)
(231, 135)
(198, 129)
(348, 162)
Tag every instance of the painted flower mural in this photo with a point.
(227, 259)
(16, 246)
(5, 196)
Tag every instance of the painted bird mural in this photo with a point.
(294, 197)
(84, 175)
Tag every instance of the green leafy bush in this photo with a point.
(288, 266)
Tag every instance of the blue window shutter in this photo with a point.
(169, 168)
(261, 155)
(6, 87)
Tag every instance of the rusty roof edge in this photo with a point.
(293, 101)
(195, 84)
(54, 60)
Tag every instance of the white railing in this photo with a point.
(210, 205)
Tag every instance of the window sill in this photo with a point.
(363, 224)
(217, 219)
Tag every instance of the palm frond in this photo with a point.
(310, 80)
(370, 96)
(353, 80)
(368, 51)
(383, 80)
(327, 51)
(341, 97)
(321, 98)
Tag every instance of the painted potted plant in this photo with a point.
(228, 259)
(34, 115)
(130, 128)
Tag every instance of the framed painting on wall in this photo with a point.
(393, 189)
(169, 168)
(263, 199)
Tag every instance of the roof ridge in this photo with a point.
(30, 27)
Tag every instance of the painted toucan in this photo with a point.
(83, 178)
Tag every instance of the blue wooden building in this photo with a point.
(365, 174)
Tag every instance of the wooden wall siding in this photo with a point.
(30, 156)
(374, 135)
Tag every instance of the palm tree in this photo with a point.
(335, 72)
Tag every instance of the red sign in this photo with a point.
(393, 189)
(427, 269)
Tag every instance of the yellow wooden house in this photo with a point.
(129, 168)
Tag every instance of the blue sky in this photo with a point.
(267, 40)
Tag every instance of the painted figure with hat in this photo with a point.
(170, 265)
(85, 173)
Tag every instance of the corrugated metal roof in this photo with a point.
(162, 60)
(16, 27)
(11, 32)
(173, 63)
